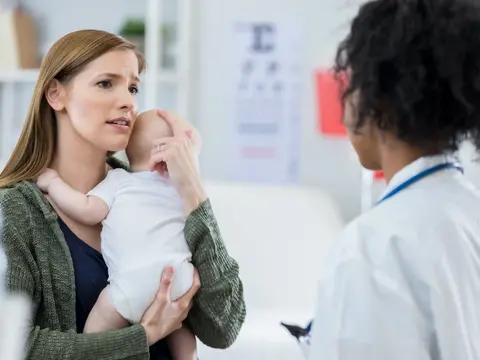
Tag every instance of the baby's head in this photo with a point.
(150, 127)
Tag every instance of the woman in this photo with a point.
(403, 281)
(88, 79)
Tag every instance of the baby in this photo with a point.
(143, 220)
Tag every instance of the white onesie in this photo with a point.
(142, 234)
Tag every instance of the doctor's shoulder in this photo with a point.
(378, 240)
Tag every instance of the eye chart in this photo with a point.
(267, 81)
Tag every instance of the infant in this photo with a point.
(143, 219)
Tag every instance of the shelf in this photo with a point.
(19, 76)
(29, 76)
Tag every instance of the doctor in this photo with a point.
(403, 281)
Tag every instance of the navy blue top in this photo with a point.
(91, 277)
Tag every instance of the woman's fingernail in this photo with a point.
(189, 133)
(168, 271)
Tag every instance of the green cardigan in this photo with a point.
(40, 266)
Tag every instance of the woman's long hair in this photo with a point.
(35, 148)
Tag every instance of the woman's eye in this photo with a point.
(105, 84)
(134, 90)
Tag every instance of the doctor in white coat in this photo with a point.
(403, 281)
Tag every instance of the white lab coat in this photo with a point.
(403, 281)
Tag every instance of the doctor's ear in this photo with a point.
(55, 95)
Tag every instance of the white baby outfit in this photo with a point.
(142, 234)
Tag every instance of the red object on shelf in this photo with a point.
(329, 107)
(379, 175)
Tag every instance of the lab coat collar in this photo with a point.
(417, 167)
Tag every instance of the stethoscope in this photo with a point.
(423, 174)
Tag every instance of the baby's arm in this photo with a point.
(86, 209)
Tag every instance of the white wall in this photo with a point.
(56, 18)
(324, 162)
(328, 163)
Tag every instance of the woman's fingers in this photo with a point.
(163, 316)
(162, 169)
(165, 157)
(195, 284)
(196, 279)
(178, 125)
(178, 155)
(170, 142)
(157, 159)
(163, 293)
(173, 121)
(161, 144)
(185, 301)
(166, 149)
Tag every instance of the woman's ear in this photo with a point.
(55, 95)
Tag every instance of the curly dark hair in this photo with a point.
(416, 66)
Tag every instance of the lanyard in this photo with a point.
(420, 176)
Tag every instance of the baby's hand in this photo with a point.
(46, 178)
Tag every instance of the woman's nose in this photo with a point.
(127, 101)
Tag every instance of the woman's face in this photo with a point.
(365, 140)
(100, 102)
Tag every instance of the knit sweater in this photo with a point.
(40, 266)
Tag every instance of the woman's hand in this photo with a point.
(177, 156)
(165, 316)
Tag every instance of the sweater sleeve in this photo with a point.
(219, 307)
(129, 343)
(22, 275)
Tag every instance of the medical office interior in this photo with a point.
(253, 77)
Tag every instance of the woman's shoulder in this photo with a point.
(19, 201)
(116, 163)
(13, 196)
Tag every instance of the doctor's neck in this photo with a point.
(396, 155)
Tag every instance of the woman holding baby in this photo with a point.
(82, 110)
